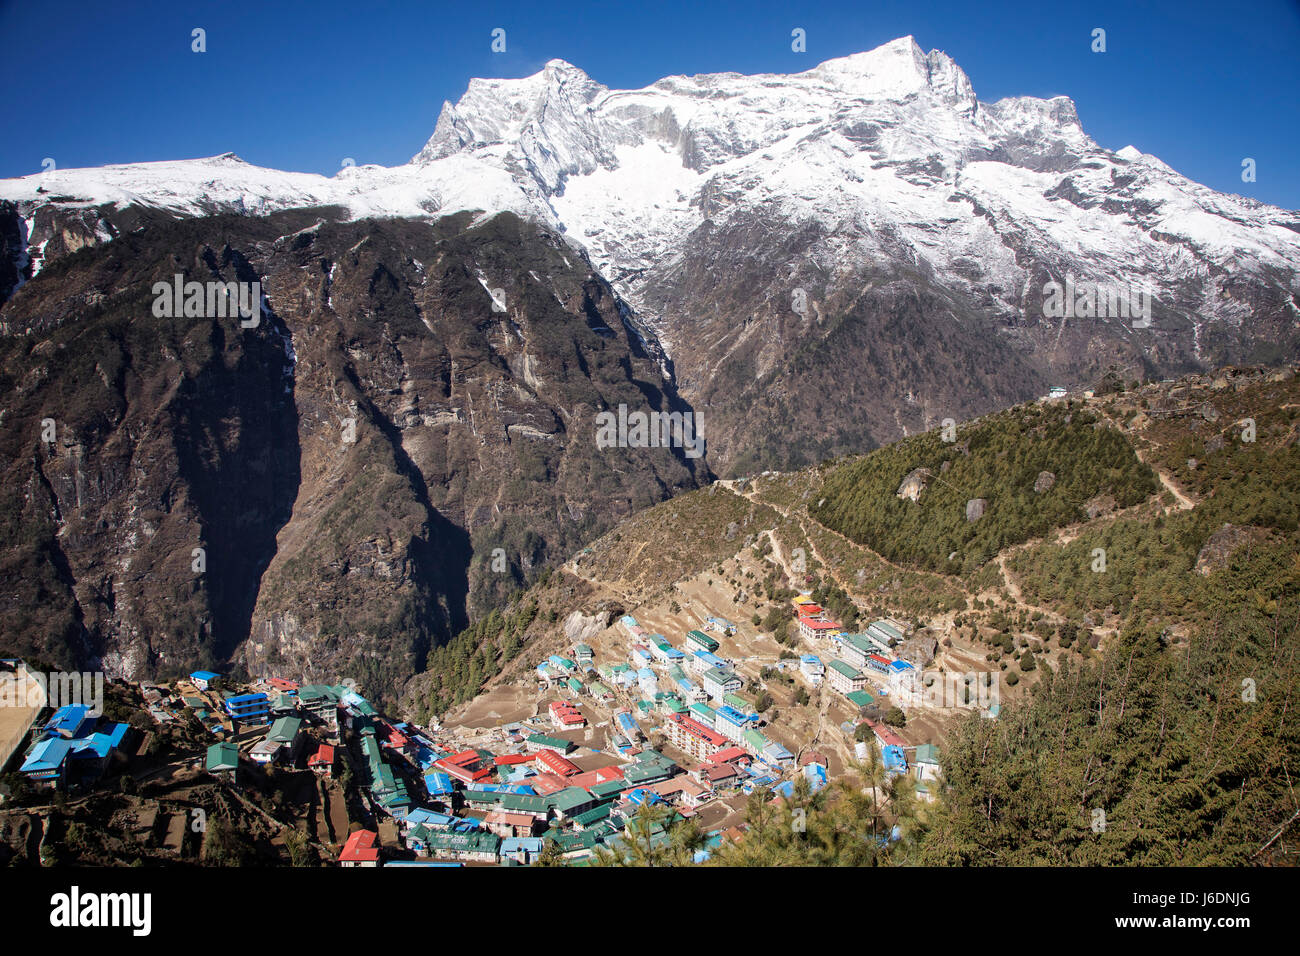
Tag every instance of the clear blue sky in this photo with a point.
(301, 85)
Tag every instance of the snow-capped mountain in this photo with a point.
(870, 168)
(890, 148)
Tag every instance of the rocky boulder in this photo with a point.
(914, 484)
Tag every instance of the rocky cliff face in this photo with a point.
(403, 438)
(837, 256)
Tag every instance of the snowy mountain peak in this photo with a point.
(887, 154)
(556, 65)
(899, 69)
(494, 111)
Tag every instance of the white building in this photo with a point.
(718, 682)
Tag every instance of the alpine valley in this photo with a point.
(812, 265)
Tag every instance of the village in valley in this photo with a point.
(644, 723)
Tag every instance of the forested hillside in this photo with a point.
(1033, 468)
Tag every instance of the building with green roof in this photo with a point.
(223, 760)
(845, 678)
(608, 789)
(699, 641)
(927, 759)
(321, 701)
(535, 742)
(285, 730)
(479, 845)
(885, 631)
(589, 818)
(570, 801)
(574, 844)
(862, 698)
(650, 768)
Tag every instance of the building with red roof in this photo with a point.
(552, 761)
(814, 756)
(878, 663)
(322, 761)
(813, 628)
(692, 737)
(361, 849)
(510, 760)
(720, 775)
(593, 778)
(733, 755)
(565, 716)
(507, 824)
(466, 766)
(886, 736)
(546, 783)
(390, 736)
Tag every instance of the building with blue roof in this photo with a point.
(425, 755)
(437, 783)
(815, 774)
(521, 849)
(647, 680)
(894, 759)
(730, 722)
(811, 666)
(101, 743)
(69, 722)
(560, 663)
(72, 740)
(643, 795)
(202, 679)
(513, 775)
(702, 661)
(628, 725)
(248, 708)
(47, 762)
(777, 755)
(421, 816)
